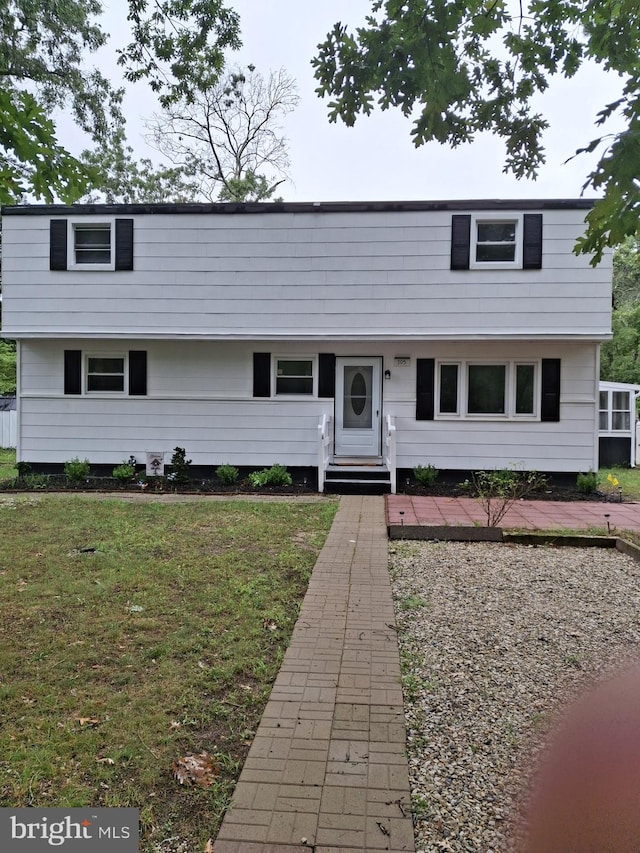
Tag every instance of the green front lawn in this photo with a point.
(136, 633)
(7, 463)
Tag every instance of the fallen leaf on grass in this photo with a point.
(198, 770)
(105, 760)
(208, 847)
(270, 625)
(87, 721)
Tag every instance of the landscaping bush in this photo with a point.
(76, 470)
(587, 483)
(227, 474)
(498, 490)
(124, 473)
(425, 475)
(277, 475)
(180, 467)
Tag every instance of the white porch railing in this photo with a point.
(325, 448)
(389, 450)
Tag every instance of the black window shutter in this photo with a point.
(262, 374)
(326, 375)
(550, 401)
(124, 244)
(532, 241)
(137, 372)
(425, 376)
(460, 241)
(58, 244)
(72, 371)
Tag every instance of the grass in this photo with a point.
(7, 463)
(159, 641)
(629, 479)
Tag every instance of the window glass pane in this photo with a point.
(294, 368)
(620, 420)
(294, 376)
(92, 244)
(106, 365)
(621, 401)
(486, 391)
(496, 232)
(100, 382)
(524, 389)
(496, 252)
(294, 385)
(449, 389)
(603, 400)
(604, 426)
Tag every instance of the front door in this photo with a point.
(358, 406)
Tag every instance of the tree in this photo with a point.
(228, 135)
(460, 67)
(43, 47)
(122, 179)
(620, 357)
(7, 367)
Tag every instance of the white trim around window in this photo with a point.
(91, 245)
(496, 242)
(488, 390)
(295, 375)
(106, 374)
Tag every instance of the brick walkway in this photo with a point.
(327, 769)
(529, 515)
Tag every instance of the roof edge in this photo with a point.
(301, 207)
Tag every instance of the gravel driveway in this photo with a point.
(493, 639)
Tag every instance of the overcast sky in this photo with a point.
(375, 159)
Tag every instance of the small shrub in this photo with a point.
(425, 475)
(180, 467)
(277, 475)
(498, 490)
(36, 481)
(23, 468)
(76, 470)
(124, 473)
(227, 474)
(587, 483)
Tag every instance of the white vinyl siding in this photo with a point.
(200, 397)
(303, 276)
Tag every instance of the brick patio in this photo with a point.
(529, 515)
(327, 769)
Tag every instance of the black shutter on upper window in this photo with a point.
(550, 399)
(532, 241)
(137, 373)
(72, 371)
(425, 384)
(124, 244)
(326, 375)
(262, 374)
(58, 244)
(460, 241)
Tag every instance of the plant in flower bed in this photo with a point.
(277, 475)
(497, 491)
(137, 635)
(227, 474)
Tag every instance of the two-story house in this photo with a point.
(329, 337)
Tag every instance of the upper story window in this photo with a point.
(83, 244)
(492, 241)
(92, 243)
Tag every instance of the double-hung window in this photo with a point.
(81, 243)
(92, 244)
(106, 373)
(496, 243)
(294, 376)
(505, 389)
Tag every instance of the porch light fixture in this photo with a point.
(387, 374)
